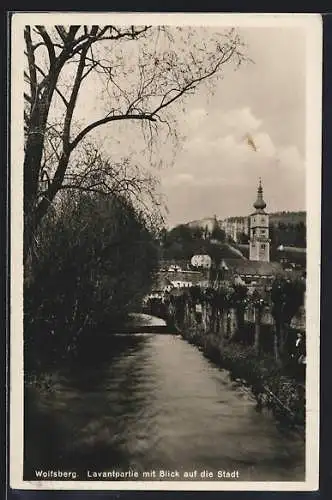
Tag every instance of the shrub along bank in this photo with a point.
(93, 264)
(278, 382)
(284, 395)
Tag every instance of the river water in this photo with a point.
(155, 402)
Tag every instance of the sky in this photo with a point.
(216, 171)
(213, 170)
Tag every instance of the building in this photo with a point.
(166, 281)
(187, 279)
(259, 242)
(251, 272)
(203, 261)
(207, 224)
(174, 265)
(257, 270)
(235, 226)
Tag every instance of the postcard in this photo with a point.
(165, 178)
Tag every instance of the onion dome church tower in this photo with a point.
(259, 243)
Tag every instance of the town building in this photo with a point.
(258, 269)
(234, 227)
(249, 271)
(259, 243)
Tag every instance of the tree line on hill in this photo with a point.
(288, 234)
(183, 241)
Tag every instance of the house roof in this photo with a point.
(292, 249)
(244, 249)
(219, 251)
(293, 254)
(167, 263)
(252, 267)
(193, 277)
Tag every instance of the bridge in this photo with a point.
(151, 321)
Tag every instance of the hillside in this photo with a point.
(288, 217)
(275, 217)
(206, 222)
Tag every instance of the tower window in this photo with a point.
(263, 246)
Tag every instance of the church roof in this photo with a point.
(253, 267)
(165, 278)
(218, 251)
(244, 249)
(260, 204)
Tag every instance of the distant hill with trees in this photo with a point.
(182, 242)
(288, 217)
(286, 228)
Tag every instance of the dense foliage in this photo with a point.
(288, 233)
(183, 241)
(94, 262)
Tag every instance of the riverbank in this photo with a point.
(273, 390)
(156, 402)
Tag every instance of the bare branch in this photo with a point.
(108, 119)
(49, 44)
(142, 90)
(74, 94)
(31, 62)
(64, 100)
(192, 84)
(62, 33)
(27, 97)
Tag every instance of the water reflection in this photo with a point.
(157, 402)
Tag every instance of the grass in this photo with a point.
(273, 389)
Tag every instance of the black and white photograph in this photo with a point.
(165, 251)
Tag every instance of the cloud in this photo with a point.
(219, 171)
(215, 170)
(218, 122)
(241, 120)
(175, 180)
(265, 145)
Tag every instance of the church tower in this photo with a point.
(259, 243)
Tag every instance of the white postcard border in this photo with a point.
(312, 23)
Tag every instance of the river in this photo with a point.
(156, 402)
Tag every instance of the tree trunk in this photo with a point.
(276, 347)
(240, 318)
(34, 212)
(276, 341)
(218, 316)
(282, 340)
(258, 316)
(227, 323)
(284, 351)
(233, 325)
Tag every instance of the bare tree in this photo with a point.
(144, 71)
(92, 171)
